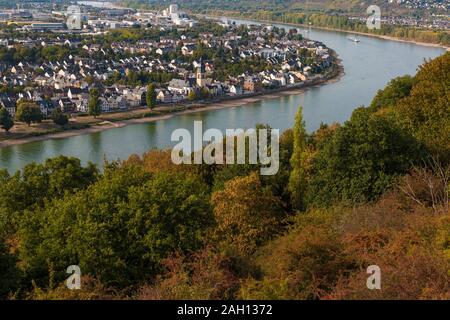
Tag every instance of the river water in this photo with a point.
(369, 65)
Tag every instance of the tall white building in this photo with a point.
(178, 18)
(173, 8)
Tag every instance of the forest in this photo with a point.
(371, 191)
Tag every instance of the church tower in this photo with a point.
(201, 74)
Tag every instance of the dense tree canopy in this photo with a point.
(426, 110)
(118, 228)
(362, 159)
(38, 183)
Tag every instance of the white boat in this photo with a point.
(354, 39)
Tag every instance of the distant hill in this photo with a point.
(325, 6)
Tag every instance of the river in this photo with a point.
(369, 65)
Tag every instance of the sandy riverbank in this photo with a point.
(238, 102)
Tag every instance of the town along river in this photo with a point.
(369, 65)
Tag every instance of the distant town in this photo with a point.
(122, 55)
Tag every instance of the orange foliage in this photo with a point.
(203, 275)
(246, 214)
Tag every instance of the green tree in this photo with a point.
(59, 117)
(362, 159)
(150, 97)
(297, 179)
(38, 183)
(94, 103)
(10, 276)
(397, 89)
(6, 121)
(426, 111)
(204, 93)
(119, 228)
(28, 112)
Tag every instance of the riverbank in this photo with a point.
(165, 113)
(384, 37)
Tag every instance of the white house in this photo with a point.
(164, 96)
(183, 87)
(236, 89)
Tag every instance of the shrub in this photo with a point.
(59, 118)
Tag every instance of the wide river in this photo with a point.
(369, 65)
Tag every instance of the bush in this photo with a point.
(305, 263)
(59, 118)
(411, 247)
(91, 289)
(203, 275)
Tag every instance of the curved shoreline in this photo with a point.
(379, 36)
(231, 103)
(211, 106)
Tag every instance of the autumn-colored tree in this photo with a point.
(246, 214)
(192, 96)
(304, 263)
(408, 241)
(202, 275)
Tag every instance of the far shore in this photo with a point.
(379, 36)
(211, 106)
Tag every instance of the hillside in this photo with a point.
(324, 6)
(371, 191)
